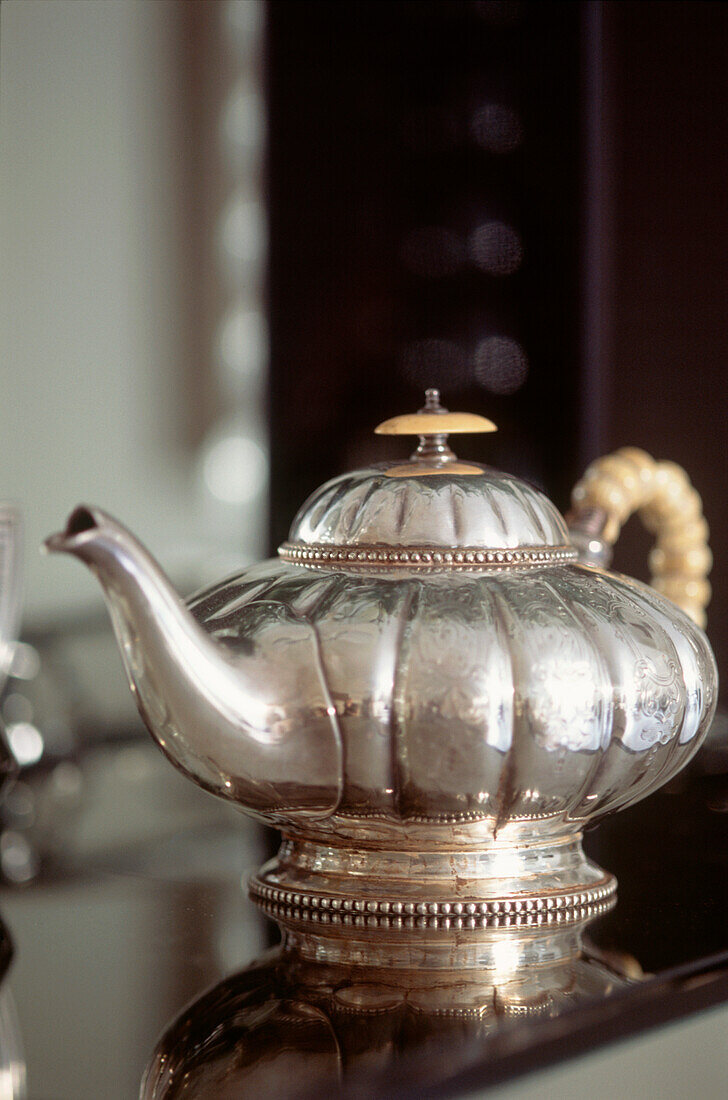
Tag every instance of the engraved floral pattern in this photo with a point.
(659, 700)
(450, 686)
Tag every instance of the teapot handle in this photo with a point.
(628, 481)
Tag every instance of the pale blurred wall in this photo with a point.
(90, 245)
(678, 1061)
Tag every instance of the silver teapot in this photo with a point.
(435, 686)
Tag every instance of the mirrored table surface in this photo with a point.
(133, 953)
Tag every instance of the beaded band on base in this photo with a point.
(318, 555)
(368, 913)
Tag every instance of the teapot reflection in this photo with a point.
(341, 1007)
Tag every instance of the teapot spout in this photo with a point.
(253, 727)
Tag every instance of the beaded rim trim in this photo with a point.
(320, 555)
(368, 913)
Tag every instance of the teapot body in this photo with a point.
(483, 719)
(542, 693)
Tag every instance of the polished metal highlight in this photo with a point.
(423, 732)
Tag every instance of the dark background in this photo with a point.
(415, 149)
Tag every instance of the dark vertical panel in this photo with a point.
(399, 133)
(670, 323)
(596, 229)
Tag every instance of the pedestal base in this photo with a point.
(526, 883)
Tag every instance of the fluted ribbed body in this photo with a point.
(460, 505)
(558, 692)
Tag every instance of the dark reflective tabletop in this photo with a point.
(138, 912)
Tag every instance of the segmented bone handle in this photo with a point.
(628, 481)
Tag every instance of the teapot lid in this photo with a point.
(431, 513)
